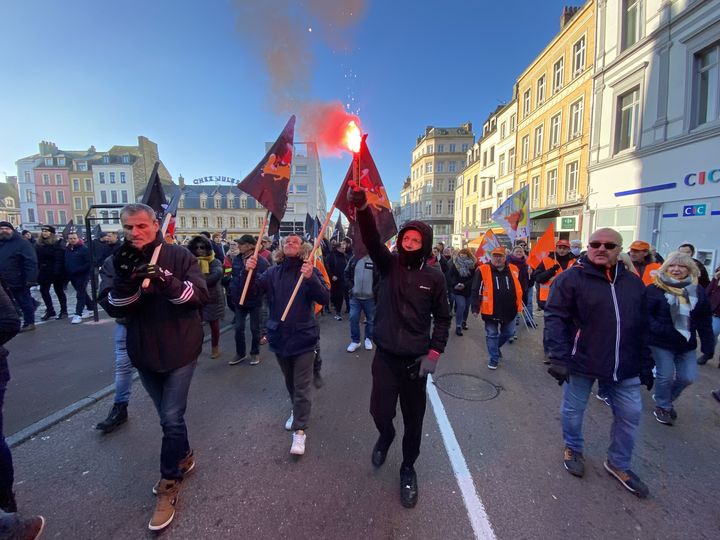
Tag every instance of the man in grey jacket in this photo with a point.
(361, 279)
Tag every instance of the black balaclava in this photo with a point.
(415, 259)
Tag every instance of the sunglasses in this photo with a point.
(606, 245)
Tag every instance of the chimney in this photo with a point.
(567, 14)
(47, 148)
(181, 181)
(92, 150)
(468, 126)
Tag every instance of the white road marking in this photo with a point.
(479, 520)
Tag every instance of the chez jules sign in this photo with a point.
(215, 180)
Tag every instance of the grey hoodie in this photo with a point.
(363, 279)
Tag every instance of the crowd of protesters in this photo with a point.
(621, 319)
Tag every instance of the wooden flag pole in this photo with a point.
(320, 235)
(248, 277)
(156, 253)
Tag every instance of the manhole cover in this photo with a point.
(467, 386)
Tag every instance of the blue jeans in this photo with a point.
(716, 328)
(496, 335)
(7, 474)
(241, 314)
(462, 309)
(673, 373)
(123, 367)
(627, 409)
(169, 392)
(24, 300)
(368, 306)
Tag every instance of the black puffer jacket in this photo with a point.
(51, 259)
(595, 322)
(662, 333)
(411, 300)
(164, 331)
(18, 261)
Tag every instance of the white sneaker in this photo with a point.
(77, 319)
(289, 423)
(87, 314)
(298, 444)
(353, 347)
(368, 344)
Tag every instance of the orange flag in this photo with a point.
(541, 249)
(321, 266)
(487, 244)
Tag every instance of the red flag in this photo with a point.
(541, 249)
(377, 198)
(268, 182)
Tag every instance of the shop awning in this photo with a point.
(548, 212)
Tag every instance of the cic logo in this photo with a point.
(701, 177)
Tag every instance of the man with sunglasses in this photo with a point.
(595, 330)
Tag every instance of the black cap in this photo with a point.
(48, 228)
(246, 239)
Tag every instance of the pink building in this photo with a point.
(52, 186)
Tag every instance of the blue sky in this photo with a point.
(180, 72)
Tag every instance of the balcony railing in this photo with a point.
(571, 195)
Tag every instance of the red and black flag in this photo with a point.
(309, 226)
(156, 198)
(378, 201)
(268, 182)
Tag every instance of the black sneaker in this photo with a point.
(673, 414)
(716, 395)
(408, 487)
(629, 480)
(492, 364)
(318, 381)
(464, 326)
(664, 416)
(116, 418)
(48, 315)
(61, 315)
(458, 331)
(574, 462)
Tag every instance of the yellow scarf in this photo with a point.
(204, 263)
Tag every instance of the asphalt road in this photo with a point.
(246, 485)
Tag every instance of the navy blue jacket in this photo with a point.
(662, 333)
(18, 261)
(51, 260)
(595, 322)
(77, 260)
(299, 332)
(237, 282)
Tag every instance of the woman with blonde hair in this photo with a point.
(678, 312)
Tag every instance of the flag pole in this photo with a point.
(320, 235)
(248, 277)
(156, 253)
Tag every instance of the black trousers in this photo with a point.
(59, 286)
(392, 379)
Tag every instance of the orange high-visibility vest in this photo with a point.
(648, 276)
(487, 305)
(548, 263)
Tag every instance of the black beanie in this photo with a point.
(48, 228)
(7, 224)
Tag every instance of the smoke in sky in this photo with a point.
(284, 34)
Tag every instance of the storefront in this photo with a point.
(666, 198)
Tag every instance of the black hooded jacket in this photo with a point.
(412, 295)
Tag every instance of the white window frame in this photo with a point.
(558, 75)
(626, 6)
(634, 124)
(527, 102)
(538, 145)
(713, 78)
(540, 93)
(552, 181)
(555, 130)
(535, 187)
(525, 150)
(575, 127)
(579, 56)
(572, 179)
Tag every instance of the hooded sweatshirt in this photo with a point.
(413, 314)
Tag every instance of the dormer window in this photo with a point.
(9, 203)
(82, 166)
(61, 162)
(106, 159)
(48, 162)
(125, 159)
(203, 201)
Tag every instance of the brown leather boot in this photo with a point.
(215, 353)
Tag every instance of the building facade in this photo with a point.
(654, 160)
(553, 136)
(9, 201)
(113, 183)
(52, 186)
(505, 150)
(437, 159)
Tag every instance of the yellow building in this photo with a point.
(468, 191)
(554, 96)
(81, 189)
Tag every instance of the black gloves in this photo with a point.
(427, 366)
(557, 268)
(357, 198)
(647, 378)
(155, 273)
(126, 260)
(560, 372)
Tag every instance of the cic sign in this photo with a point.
(700, 178)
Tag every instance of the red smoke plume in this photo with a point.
(326, 124)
